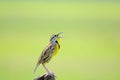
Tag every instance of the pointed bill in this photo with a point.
(59, 34)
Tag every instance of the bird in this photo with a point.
(49, 51)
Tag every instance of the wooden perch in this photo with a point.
(46, 77)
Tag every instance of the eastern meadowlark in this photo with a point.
(50, 51)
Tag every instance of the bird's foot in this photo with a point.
(50, 74)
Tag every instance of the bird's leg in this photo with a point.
(49, 73)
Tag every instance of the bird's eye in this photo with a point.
(52, 36)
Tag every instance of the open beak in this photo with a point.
(59, 34)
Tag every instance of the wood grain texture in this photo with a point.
(46, 77)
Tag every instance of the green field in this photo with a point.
(90, 49)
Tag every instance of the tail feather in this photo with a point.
(36, 67)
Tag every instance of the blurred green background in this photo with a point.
(90, 49)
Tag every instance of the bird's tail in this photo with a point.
(36, 67)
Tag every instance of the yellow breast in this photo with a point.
(55, 50)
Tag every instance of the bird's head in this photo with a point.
(55, 37)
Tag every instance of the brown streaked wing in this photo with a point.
(46, 53)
